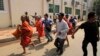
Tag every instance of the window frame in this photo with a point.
(68, 10)
(84, 12)
(2, 6)
(85, 0)
(50, 8)
(54, 8)
(77, 12)
(57, 7)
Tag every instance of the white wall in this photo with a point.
(4, 16)
(18, 7)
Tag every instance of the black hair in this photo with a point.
(91, 15)
(46, 15)
(67, 15)
(26, 13)
(61, 14)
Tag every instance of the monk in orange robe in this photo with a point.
(40, 27)
(25, 31)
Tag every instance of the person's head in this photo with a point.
(61, 16)
(46, 16)
(26, 13)
(50, 16)
(38, 18)
(35, 13)
(66, 16)
(74, 16)
(22, 19)
(91, 16)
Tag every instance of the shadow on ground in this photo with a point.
(38, 45)
(52, 52)
(13, 54)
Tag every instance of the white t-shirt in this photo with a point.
(63, 28)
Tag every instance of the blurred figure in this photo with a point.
(73, 21)
(33, 16)
(24, 31)
(54, 19)
(48, 25)
(40, 28)
(79, 18)
(61, 30)
(26, 17)
(70, 27)
(91, 29)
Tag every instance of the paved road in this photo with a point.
(43, 49)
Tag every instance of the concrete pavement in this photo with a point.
(6, 34)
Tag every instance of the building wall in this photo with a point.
(4, 15)
(18, 7)
(13, 11)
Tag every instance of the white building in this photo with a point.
(11, 10)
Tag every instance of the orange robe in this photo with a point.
(25, 32)
(70, 26)
(40, 28)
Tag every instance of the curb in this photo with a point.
(13, 38)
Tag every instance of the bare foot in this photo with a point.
(32, 44)
(24, 53)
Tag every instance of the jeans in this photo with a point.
(84, 47)
(48, 36)
(59, 43)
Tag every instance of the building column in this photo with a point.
(73, 8)
(81, 11)
(42, 7)
(10, 15)
(62, 6)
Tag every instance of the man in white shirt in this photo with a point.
(61, 30)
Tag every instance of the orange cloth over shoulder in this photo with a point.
(70, 26)
(40, 28)
(25, 32)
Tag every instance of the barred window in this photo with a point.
(68, 10)
(85, 0)
(56, 8)
(77, 12)
(52, 9)
(1, 5)
(84, 12)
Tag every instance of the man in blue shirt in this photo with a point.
(48, 24)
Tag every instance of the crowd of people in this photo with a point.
(65, 25)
